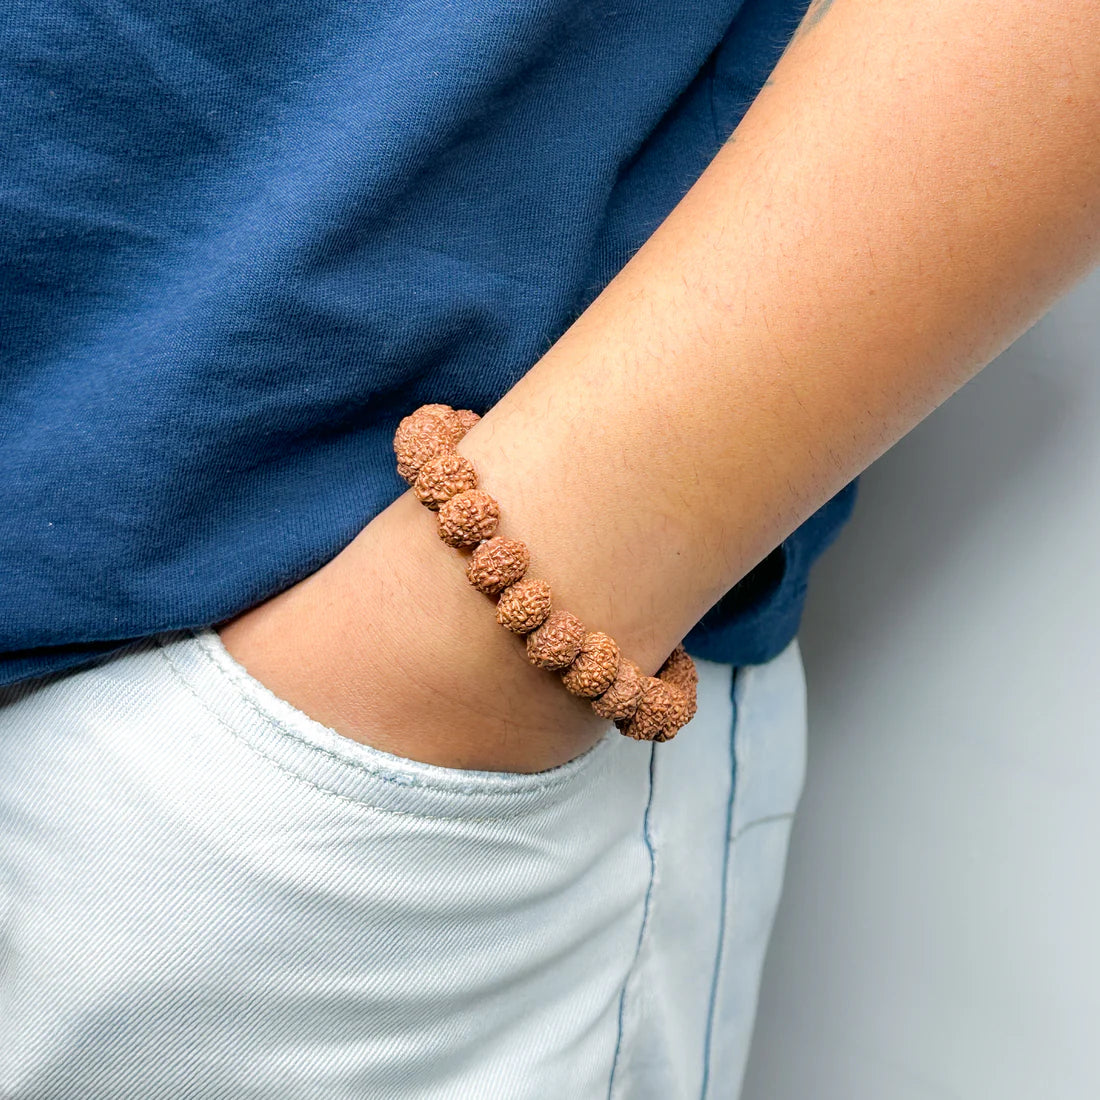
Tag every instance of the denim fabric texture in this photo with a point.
(238, 242)
(206, 894)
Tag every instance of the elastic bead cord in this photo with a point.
(646, 708)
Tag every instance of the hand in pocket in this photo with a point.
(389, 645)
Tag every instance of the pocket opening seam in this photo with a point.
(359, 804)
(391, 777)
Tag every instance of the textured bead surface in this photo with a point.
(440, 478)
(468, 517)
(466, 419)
(679, 669)
(445, 411)
(690, 704)
(497, 563)
(594, 668)
(621, 698)
(523, 606)
(683, 710)
(659, 709)
(458, 419)
(420, 437)
(557, 641)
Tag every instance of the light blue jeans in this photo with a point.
(206, 894)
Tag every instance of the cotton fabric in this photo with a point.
(238, 242)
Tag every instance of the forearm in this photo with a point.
(911, 192)
(915, 187)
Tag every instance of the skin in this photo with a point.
(912, 190)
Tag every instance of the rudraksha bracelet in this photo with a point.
(647, 708)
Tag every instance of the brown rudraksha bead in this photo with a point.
(440, 478)
(554, 644)
(682, 713)
(466, 419)
(523, 606)
(621, 699)
(445, 411)
(658, 711)
(497, 563)
(679, 669)
(460, 420)
(594, 668)
(468, 518)
(419, 437)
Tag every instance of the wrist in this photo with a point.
(389, 645)
(624, 561)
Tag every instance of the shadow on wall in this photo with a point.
(924, 502)
(936, 935)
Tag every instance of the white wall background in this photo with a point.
(939, 935)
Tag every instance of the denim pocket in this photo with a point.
(212, 895)
(301, 746)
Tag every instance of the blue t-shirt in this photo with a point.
(239, 241)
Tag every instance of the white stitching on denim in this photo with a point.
(413, 782)
(579, 764)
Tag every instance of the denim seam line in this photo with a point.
(376, 771)
(359, 803)
(648, 840)
(735, 721)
